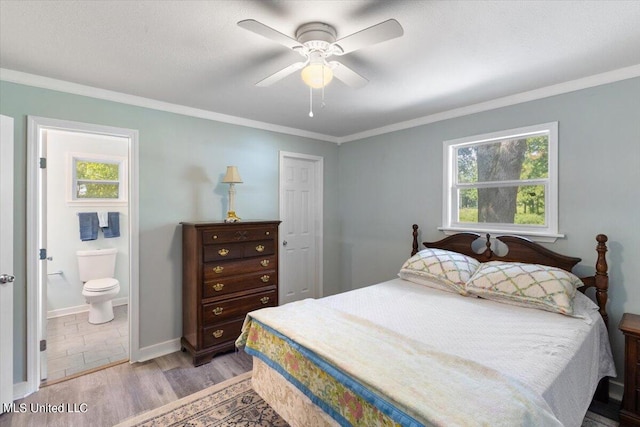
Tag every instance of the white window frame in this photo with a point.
(546, 233)
(72, 179)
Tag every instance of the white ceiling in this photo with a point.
(191, 53)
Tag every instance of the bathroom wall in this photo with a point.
(64, 291)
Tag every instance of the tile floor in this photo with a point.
(74, 345)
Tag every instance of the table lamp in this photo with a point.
(232, 178)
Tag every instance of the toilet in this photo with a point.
(97, 268)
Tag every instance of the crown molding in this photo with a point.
(108, 95)
(532, 95)
(545, 92)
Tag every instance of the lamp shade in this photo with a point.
(232, 176)
(316, 75)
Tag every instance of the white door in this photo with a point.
(6, 262)
(301, 228)
(42, 244)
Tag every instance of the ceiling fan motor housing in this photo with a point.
(316, 35)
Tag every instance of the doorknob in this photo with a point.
(6, 278)
(284, 243)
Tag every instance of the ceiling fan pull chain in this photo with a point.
(310, 101)
(322, 104)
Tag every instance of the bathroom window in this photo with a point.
(97, 179)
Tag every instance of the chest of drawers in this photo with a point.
(630, 410)
(228, 270)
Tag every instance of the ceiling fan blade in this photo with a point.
(279, 75)
(268, 32)
(383, 31)
(347, 75)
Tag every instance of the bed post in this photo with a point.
(602, 279)
(415, 240)
(602, 286)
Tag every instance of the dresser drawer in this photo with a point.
(259, 248)
(223, 251)
(228, 285)
(220, 252)
(213, 271)
(222, 332)
(210, 237)
(236, 307)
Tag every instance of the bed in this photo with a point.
(442, 347)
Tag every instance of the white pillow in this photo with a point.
(439, 269)
(529, 285)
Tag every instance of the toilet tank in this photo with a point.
(96, 264)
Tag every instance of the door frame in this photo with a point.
(35, 148)
(7, 142)
(319, 207)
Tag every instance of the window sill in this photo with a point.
(94, 202)
(533, 236)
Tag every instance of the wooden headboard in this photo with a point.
(524, 250)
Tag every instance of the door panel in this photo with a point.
(42, 266)
(6, 261)
(300, 235)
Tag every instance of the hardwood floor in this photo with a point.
(120, 392)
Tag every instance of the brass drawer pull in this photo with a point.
(264, 300)
(223, 252)
(265, 278)
(260, 248)
(217, 311)
(217, 269)
(266, 233)
(214, 237)
(264, 262)
(218, 287)
(218, 333)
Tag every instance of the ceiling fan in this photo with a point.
(316, 42)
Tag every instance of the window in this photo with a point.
(505, 183)
(97, 179)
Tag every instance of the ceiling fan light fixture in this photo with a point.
(317, 75)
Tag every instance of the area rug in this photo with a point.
(230, 403)
(233, 403)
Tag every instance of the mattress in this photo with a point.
(557, 358)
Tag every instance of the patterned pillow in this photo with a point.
(439, 269)
(527, 285)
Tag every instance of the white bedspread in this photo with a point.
(560, 358)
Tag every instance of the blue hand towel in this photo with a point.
(113, 230)
(88, 222)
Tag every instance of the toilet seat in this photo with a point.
(101, 285)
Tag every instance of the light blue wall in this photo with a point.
(181, 162)
(391, 181)
(386, 183)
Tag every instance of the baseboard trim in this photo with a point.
(157, 350)
(20, 390)
(81, 308)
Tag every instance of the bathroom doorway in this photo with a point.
(82, 170)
